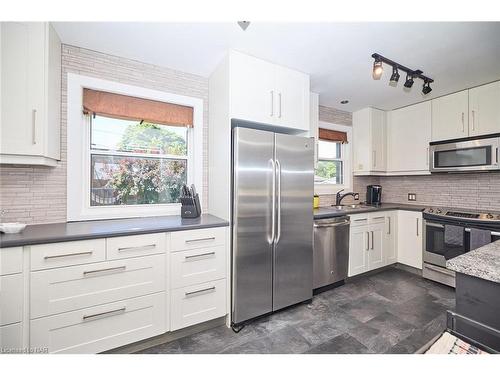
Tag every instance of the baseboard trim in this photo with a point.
(166, 337)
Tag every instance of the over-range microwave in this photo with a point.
(474, 154)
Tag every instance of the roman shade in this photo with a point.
(131, 108)
(332, 135)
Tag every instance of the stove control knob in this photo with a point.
(430, 210)
(489, 216)
(439, 211)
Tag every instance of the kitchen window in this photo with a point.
(333, 166)
(130, 149)
(136, 162)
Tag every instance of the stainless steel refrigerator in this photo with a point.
(272, 221)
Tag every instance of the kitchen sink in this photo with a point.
(348, 207)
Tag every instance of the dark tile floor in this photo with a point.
(393, 311)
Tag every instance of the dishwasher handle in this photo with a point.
(334, 224)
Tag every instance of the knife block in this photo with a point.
(190, 208)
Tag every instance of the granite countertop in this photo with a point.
(327, 212)
(483, 263)
(83, 230)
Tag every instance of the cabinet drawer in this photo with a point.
(377, 217)
(71, 288)
(195, 239)
(11, 260)
(67, 254)
(11, 336)
(360, 219)
(197, 266)
(133, 246)
(101, 328)
(197, 304)
(11, 298)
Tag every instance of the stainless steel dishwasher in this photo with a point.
(331, 251)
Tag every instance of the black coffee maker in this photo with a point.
(374, 195)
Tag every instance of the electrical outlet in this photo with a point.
(412, 196)
(356, 196)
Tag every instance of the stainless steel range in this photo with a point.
(449, 233)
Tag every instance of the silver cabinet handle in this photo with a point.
(102, 315)
(372, 241)
(67, 255)
(200, 291)
(272, 102)
(279, 103)
(199, 255)
(201, 239)
(273, 202)
(33, 125)
(473, 120)
(378, 217)
(427, 160)
(417, 227)
(367, 241)
(463, 122)
(278, 169)
(365, 219)
(496, 154)
(389, 225)
(104, 270)
(145, 247)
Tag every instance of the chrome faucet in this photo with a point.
(339, 197)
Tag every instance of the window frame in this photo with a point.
(346, 157)
(78, 146)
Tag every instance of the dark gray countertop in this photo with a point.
(483, 262)
(83, 230)
(327, 212)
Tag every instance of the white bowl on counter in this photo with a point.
(10, 228)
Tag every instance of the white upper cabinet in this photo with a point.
(408, 137)
(484, 109)
(253, 89)
(268, 93)
(30, 93)
(450, 116)
(369, 134)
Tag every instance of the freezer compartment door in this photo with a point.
(253, 192)
(293, 253)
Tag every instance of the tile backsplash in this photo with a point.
(478, 191)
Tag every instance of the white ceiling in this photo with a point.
(337, 55)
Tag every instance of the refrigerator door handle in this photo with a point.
(273, 202)
(278, 193)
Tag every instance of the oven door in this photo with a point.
(436, 251)
(476, 155)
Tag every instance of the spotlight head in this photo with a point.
(426, 88)
(409, 81)
(377, 69)
(395, 75)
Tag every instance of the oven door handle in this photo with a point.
(492, 233)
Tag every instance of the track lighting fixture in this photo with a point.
(377, 69)
(396, 67)
(395, 74)
(426, 88)
(409, 81)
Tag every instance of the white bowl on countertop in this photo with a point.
(10, 228)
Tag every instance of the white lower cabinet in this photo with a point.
(372, 242)
(410, 238)
(102, 327)
(11, 337)
(71, 288)
(11, 298)
(197, 266)
(391, 238)
(197, 303)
